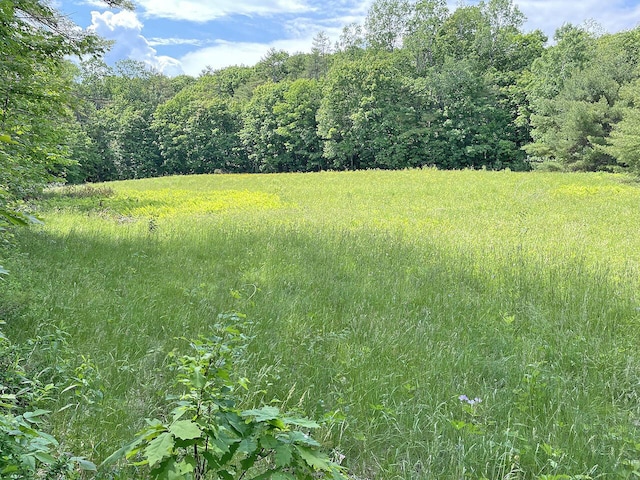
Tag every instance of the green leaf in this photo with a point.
(225, 475)
(45, 458)
(283, 455)
(29, 461)
(304, 439)
(185, 430)
(278, 423)
(173, 470)
(159, 448)
(248, 445)
(268, 442)
(236, 422)
(263, 414)
(248, 462)
(85, 464)
(277, 475)
(34, 417)
(314, 459)
(212, 460)
(198, 379)
(300, 422)
(179, 470)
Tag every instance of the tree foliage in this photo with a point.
(416, 84)
(35, 95)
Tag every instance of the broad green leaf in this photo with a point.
(159, 448)
(173, 470)
(198, 379)
(299, 437)
(29, 461)
(268, 442)
(283, 455)
(263, 414)
(85, 464)
(248, 446)
(248, 462)
(185, 430)
(300, 422)
(45, 458)
(212, 460)
(9, 469)
(236, 422)
(314, 459)
(14, 217)
(34, 417)
(33, 220)
(5, 138)
(182, 468)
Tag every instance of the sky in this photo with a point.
(187, 36)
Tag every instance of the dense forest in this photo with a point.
(416, 85)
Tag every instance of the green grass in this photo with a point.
(382, 296)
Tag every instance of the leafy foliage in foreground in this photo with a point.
(207, 432)
(26, 450)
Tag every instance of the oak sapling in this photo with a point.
(206, 432)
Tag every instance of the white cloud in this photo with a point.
(111, 22)
(548, 15)
(156, 41)
(206, 10)
(302, 19)
(223, 54)
(94, 3)
(125, 28)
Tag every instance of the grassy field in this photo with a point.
(376, 300)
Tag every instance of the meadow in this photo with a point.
(440, 325)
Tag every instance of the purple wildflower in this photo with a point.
(475, 401)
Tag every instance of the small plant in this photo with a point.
(206, 433)
(473, 424)
(26, 451)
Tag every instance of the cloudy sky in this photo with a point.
(186, 36)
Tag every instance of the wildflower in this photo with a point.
(465, 399)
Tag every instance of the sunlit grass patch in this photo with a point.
(578, 190)
(176, 202)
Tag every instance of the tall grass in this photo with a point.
(376, 299)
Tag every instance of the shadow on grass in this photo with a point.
(385, 330)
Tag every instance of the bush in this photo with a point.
(26, 451)
(207, 433)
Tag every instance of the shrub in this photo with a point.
(207, 433)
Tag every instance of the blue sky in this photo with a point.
(186, 36)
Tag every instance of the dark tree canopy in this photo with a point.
(417, 84)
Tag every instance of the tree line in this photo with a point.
(415, 85)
